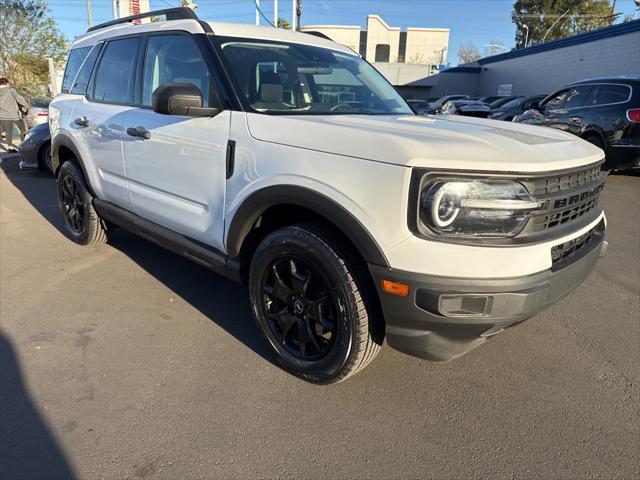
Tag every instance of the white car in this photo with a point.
(286, 162)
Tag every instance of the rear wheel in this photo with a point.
(44, 158)
(81, 221)
(313, 304)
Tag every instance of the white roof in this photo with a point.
(239, 30)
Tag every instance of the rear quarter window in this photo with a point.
(79, 85)
(74, 62)
(608, 94)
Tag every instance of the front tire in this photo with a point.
(313, 303)
(81, 221)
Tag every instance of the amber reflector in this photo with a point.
(395, 288)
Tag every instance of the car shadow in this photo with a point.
(28, 449)
(223, 301)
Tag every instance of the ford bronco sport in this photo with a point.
(286, 162)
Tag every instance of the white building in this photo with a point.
(380, 43)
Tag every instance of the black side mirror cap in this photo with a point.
(180, 99)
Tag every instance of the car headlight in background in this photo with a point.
(475, 208)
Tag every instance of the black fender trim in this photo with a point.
(62, 139)
(259, 201)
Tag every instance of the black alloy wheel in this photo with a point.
(300, 307)
(73, 205)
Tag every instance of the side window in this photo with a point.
(76, 57)
(577, 96)
(82, 78)
(115, 75)
(174, 59)
(606, 94)
(557, 101)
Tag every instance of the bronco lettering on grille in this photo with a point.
(573, 199)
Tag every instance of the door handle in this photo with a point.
(81, 121)
(576, 119)
(139, 132)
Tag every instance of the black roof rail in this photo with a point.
(178, 13)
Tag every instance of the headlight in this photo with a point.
(475, 208)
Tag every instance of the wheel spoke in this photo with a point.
(284, 320)
(281, 290)
(317, 312)
(312, 337)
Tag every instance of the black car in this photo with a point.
(604, 111)
(467, 108)
(515, 107)
(35, 149)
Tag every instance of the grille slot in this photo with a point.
(565, 250)
(563, 183)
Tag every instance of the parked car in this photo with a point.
(515, 107)
(35, 149)
(468, 108)
(437, 105)
(489, 99)
(233, 145)
(421, 107)
(604, 111)
(39, 111)
(502, 101)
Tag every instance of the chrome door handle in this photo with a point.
(139, 132)
(81, 121)
(576, 119)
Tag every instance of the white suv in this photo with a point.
(286, 162)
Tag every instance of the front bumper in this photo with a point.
(444, 318)
(29, 150)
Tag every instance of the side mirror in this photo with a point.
(180, 99)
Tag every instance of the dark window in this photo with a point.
(402, 48)
(115, 75)
(76, 57)
(363, 43)
(383, 52)
(174, 59)
(82, 79)
(605, 94)
(577, 96)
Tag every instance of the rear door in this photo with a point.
(177, 176)
(97, 119)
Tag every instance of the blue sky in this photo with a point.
(478, 21)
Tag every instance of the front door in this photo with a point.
(177, 175)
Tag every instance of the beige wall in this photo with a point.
(344, 35)
(381, 33)
(424, 45)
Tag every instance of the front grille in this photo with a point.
(570, 248)
(566, 198)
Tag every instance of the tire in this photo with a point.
(596, 140)
(314, 304)
(44, 158)
(81, 221)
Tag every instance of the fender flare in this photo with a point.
(62, 139)
(260, 200)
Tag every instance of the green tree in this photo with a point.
(540, 16)
(284, 23)
(27, 37)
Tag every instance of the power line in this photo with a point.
(262, 14)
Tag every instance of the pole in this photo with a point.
(554, 24)
(298, 14)
(114, 9)
(275, 12)
(257, 12)
(52, 77)
(294, 5)
(89, 19)
(526, 38)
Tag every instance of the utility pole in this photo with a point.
(257, 12)
(275, 13)
(297, 13)
(613, 12)
(89, 18)
(114, 8)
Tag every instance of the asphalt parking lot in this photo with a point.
(125, 361)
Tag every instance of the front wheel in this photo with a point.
(81, 221)
(313, 304)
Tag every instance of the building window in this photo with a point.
(383, 51)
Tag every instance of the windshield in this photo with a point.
(287, 78)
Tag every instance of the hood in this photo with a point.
(452, 142)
